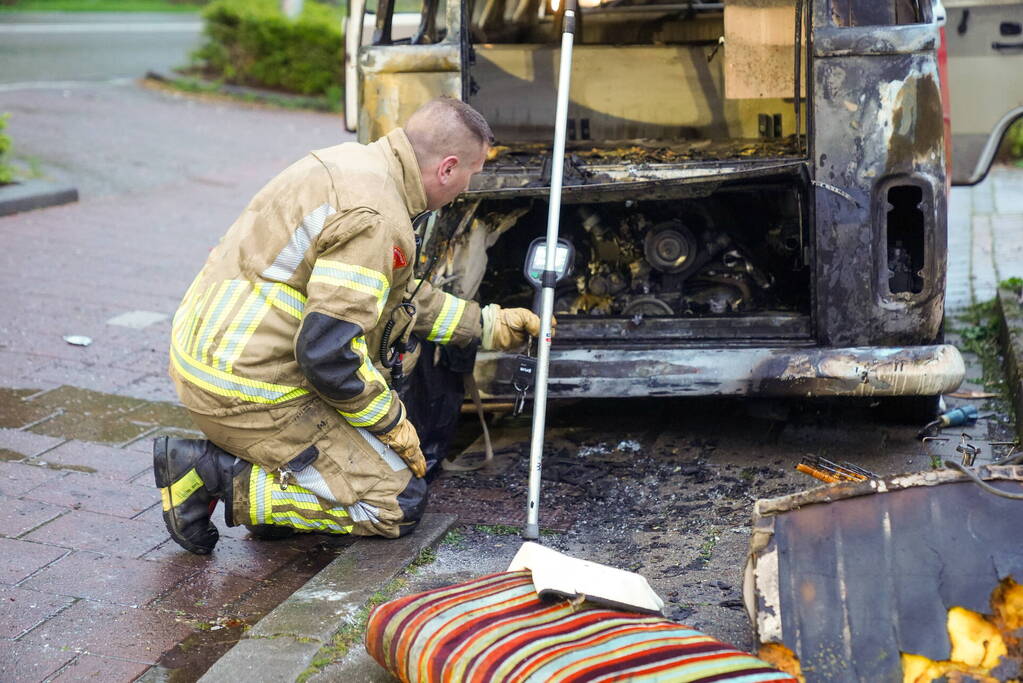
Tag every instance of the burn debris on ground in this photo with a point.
(641, 488)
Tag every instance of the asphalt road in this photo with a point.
(40, 49)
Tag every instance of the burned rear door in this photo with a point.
(880, 173)
(396, 76)
(985, 63)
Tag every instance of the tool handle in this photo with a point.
(819, 474)
(959, 416)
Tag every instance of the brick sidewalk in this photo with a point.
(91, 587)
(985, 237)
(90, 584)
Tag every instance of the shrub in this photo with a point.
(6, 170)
(1014, 139)
(250, 42)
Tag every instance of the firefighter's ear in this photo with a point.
(446, 168)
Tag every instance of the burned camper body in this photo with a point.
(755, 191)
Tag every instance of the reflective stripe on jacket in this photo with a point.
(293, 301)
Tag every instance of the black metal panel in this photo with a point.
(919, 618)
(810, 595)
(878, 590)
(864, 579)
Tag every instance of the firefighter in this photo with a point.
(275, 348)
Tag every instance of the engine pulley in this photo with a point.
(647, 305)
(671, 248)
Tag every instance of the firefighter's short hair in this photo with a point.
(469, 117)
(451, 111)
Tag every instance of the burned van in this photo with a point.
(755, 190)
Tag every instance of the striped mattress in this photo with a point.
(496, 628)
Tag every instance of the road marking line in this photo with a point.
(122, 27)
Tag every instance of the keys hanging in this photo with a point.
(523, 377)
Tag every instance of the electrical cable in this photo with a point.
(1010, 459)
(386, 358)
(981, 483)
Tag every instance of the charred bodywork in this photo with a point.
(755, 191)
(864, 581)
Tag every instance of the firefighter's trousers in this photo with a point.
(311, 470)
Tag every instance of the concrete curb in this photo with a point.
(1010, 335)
(283, 644)
(257, 95)
(34, 194)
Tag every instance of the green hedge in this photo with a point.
(6, 170)
(249, 42)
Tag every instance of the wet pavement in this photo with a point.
(91, 586)
(90, 583)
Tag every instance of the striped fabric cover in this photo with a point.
(496, 628)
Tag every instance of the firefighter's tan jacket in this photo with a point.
(292, 303)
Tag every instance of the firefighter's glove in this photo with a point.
(403, 440)
(507, 329)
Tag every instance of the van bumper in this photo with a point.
(806, 371)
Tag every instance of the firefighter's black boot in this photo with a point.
(192, 475)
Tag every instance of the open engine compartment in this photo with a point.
(732, 264)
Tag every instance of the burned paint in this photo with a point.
(621, 182)
(712, 372)
(917, 132)
(395, 81)
(892, 137)
(663, 143)
(851, 576)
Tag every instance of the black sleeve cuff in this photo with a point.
(325, 354)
